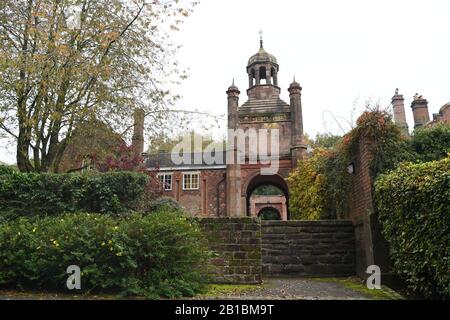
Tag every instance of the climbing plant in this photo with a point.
(320, 185)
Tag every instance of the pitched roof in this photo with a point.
(205, 160)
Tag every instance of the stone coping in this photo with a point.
(307, 222)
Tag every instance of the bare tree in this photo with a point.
(58, 70)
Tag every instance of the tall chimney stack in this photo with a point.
(421, 115)
(398, 103)
(138, 132)
(298, 147)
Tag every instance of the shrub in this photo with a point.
(50, 194)
(432, 143)
(155, 255)
(6, 170)
(307, 188)
(413, 204)
(390, 146)
(317, 186)
(163, 204)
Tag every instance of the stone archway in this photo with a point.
(271, 180)
(276, 202)
(269, 213)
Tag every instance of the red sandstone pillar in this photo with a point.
(233, 175)
(298, 148)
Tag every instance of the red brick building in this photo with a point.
(224, 188)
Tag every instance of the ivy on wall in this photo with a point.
(320, 185)
(317, 184)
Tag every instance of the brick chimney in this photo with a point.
(398, 103)
(421, 115)
(138, 132)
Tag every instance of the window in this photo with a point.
(166, 181)
(191, 181)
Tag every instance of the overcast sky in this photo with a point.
(339, 51)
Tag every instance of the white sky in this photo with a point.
(339, 51)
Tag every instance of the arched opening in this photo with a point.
(267, 191)
(269, 213)
(263, 75)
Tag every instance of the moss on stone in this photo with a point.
(216, 290)
(356, 284)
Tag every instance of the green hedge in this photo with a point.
(6, 170)
(413, 204)
(153, 256)
(23, 194)
(432, 143)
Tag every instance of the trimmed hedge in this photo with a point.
(432, 143)
(154, 255)
(24, 194)
(413, 204)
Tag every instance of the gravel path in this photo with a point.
(297, 289)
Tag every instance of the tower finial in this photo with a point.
(233, 82)
(261, 37)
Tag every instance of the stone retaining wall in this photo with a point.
(308, 248)
(236, 243)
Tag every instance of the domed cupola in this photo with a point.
(261, 67)
(262, 57)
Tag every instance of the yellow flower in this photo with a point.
(34, 229)
(119, 254)
(103, 244)
(55, 243)
(110, 242)
(116, 228)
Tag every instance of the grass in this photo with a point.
(210, 291)
(47, 295)
(357, 285)
(217, 290)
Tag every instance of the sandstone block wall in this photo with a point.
(308, 248)
(236, 243)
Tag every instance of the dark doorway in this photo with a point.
(269, 213)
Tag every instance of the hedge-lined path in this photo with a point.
(310, 289)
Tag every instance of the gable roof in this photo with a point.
(200, 160)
